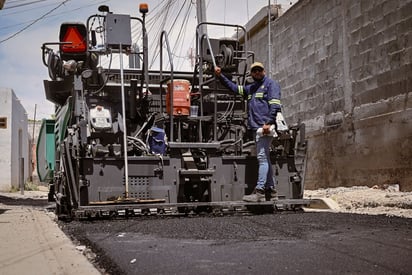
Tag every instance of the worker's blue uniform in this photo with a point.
(263, 104)
(263, 100)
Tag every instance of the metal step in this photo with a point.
(196, 172)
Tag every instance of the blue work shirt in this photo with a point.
(263, 100)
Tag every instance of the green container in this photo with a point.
(45, 151)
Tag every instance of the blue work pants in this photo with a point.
(265, 176)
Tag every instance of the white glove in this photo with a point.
(272, 131)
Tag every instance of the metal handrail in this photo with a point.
(164, 35)
(199, 47)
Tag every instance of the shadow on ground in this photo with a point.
(40, 202)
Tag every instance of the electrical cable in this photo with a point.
(183, 28)
(107, 76)
(23, 4)
(46, 15)
(181, 36)
(15, 1)
(163, 13)
(34, 22)
(171, 27)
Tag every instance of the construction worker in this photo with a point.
(263, 97)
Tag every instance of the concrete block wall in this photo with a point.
(345, 68)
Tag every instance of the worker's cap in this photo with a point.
(257, 65)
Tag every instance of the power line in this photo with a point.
(172, 25)
(46, 16)
(34, 22)
(182, 35)
(15, 1)
(20, 12)
(23, 4)
(29, 9)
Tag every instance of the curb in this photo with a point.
(322, 204)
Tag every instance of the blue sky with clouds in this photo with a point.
(26, 24)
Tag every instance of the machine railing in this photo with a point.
(164, 37)
(200, 37)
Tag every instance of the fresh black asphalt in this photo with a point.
(280, 243)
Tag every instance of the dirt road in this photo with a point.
(32, 243)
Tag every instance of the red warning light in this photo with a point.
(78, 42)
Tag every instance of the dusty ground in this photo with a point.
(31, 241)
(385, 200)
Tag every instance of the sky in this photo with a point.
(26, 24)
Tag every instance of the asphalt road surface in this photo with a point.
(281, 243)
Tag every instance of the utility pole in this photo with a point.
(269, 42)
(34, 119)
(33, 143)
(201, 16)
(192, 57)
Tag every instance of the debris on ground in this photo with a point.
(376, 200)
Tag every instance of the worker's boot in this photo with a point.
(257, 195)
(272, 194)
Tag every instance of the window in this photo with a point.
(3, 122)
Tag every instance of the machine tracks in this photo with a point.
(129, 210)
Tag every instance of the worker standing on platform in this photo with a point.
(263, 97)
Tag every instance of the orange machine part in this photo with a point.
(181, 97)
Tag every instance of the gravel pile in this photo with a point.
(386, 200)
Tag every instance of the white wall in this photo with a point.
(14, 141)
(5, 140)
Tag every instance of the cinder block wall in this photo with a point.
(345, 68)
